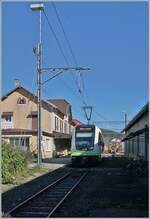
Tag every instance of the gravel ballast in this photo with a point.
(107, 193)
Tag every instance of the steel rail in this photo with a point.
(68, 193)
(36, 194)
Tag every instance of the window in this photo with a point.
(132, 146)
(61, 126)
(21, 142)
(56, 124)
(84, 134)
(7, 118)
(21, 100)
(65, 128)
(99, 139)
(129, 146)
(141, 144)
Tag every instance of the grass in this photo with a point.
(31, 172)
(26, 176)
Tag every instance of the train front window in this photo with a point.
(85, 141)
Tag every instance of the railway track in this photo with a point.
(46, 202)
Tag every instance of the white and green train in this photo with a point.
(87, 144)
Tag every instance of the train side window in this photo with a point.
(99, 139)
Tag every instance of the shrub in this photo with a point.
(14, 162)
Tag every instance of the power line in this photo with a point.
(71, 51)
(69, 46)
(55, 36)
(47, 93)
(110, 122)
(104, 118)
(70, 88)
(52, 77)
(67, 40)
(59, 45)
(65, 35)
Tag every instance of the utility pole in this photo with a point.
(125, 118)
(39, 7)
(39, 90)
(40, 69)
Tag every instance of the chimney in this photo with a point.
(17, 83)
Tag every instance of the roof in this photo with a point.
(137, 116)
(76, 122)
(45, 104)
(62, 105)
(138, 132)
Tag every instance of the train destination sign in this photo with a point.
(85, 129)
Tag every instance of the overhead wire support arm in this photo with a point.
(65, 69)
(52, 77)
(61, 70)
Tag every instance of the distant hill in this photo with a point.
(110, 134)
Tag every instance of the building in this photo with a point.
(137, 134)
(62, 140)
(76, 122)
(19, 122)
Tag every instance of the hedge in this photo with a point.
(14, 162)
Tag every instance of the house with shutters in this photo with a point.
(19, 122)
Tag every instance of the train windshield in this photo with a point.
(85, 141)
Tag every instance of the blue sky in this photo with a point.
(110, 38)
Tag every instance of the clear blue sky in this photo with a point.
(110, 38)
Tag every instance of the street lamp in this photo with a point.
(38, 52)
(40, 8)
(37, 7)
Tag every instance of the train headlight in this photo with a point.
(91, 148)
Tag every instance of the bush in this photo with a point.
(14, 162)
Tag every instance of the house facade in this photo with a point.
(19, 123)
(137, 135)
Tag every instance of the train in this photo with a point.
(87, 145)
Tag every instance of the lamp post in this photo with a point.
(39, 7)
(57, 70)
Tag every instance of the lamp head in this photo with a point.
(37, 7)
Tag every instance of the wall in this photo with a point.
(137, 146)
(22, 111)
